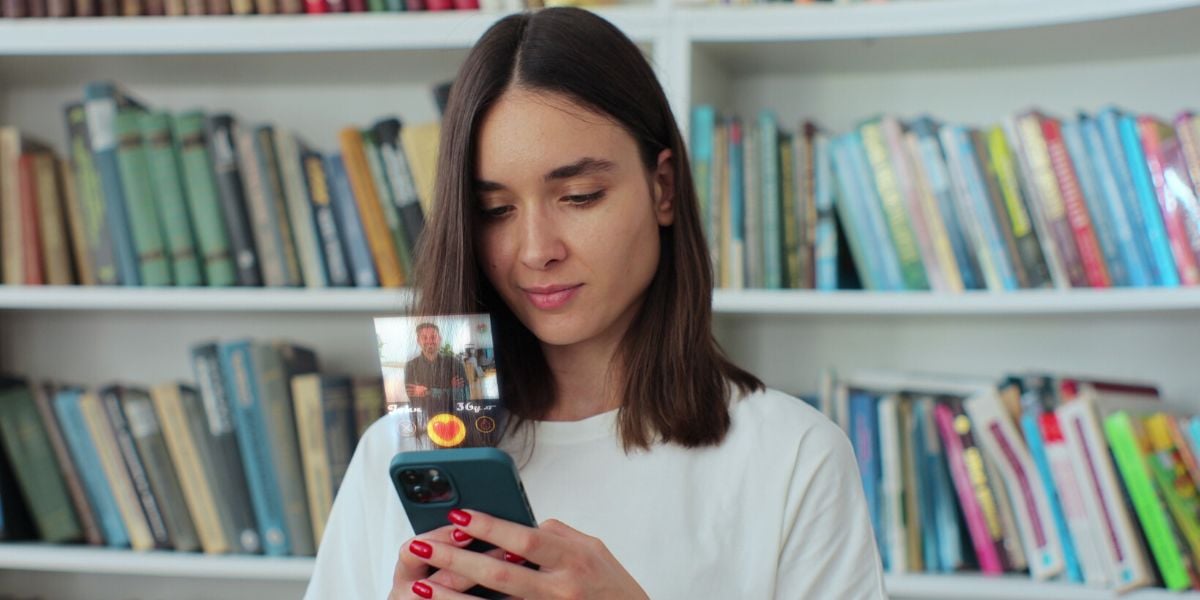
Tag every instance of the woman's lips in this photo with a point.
(551, 297)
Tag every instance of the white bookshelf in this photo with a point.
(975, 61)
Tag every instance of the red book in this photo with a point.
(31, 233)
(1077, 212)
(439, 5)
(466, 4)
(315, 7)
(970, 482)
(1168, 170)
(356, 5)
(414, 5)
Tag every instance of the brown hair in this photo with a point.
(677, 380)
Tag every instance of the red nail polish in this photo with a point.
(422, 589)
(421, 549)
(460, 535)
(513, 558)
(460, 518)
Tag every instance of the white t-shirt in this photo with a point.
(776, 511)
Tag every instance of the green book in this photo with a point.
(1130, 449)
(894, 210)
(377, 6)
(387, 200)
(167, 184)
(32, 457)
(153, 266)
(203, 201)
(91, 199)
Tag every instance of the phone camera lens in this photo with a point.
(409, 476)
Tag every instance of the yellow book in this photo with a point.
(12, 251)
(1175, 483)
(310, 427)
(366, 197)
(934, 220)
(51, 221)
(76, 225)
(185, 455)
(421, 148)
(98, 426)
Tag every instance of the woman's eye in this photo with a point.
(495, 213)
(585, 198)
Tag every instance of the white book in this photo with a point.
(1076, 505)
(895, 532)
(1018, 475)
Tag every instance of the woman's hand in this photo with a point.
(572, 565)
(410, 569)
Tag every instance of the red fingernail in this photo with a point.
(421, 549)
(422, 589)
(460, 518)
(513, 558)
(460, 535)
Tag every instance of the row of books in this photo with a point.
(247, 461)
(1093, 201)
(19, 9)
(1066, 478)
(150, 198)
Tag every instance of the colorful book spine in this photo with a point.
(796, 261)
(1109, 123)
(1030, 428)
(277, 210)
(1050, 199)
(83, 451)
(939, 508)
(166, 184)
(1152, 218)
(117, 472)
(1094, 265)
(1029, 248)
(100, 106)
(387, 200)
(864, 438)
(970, 481)
(1102, 225)
(703, 128)
(735, 258)
(975, 210)
(752, 206)
(1109, 198)
(928, 155)
(96, 240)
(145, 223)
(895, 529)
(872, 207)
(299, 210)
(345, 209)
(887, 187)
(151, 506)
(203, 200)
(995, 201)
(222, 137)
(853, 218)
(1162, 152)
(825, 242)
(43, 397)
(332, 247)
(1175, 485)
(936, 256)
(374, 225)
(1085, 529)
(771, 231)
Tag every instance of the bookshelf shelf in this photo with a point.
(278, 33)
(732, 302)
(979, 587)
(80, 559)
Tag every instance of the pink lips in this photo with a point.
(551, 297)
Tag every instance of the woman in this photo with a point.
(565, 208)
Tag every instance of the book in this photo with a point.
(1155, 232)
(972, 483)
(145, 223)
(1102, 223)
(332, 246)
(299, 210)
(116, 471)
(96, 241)
(370, 209)
(887, 184)
(930, 167)
(151, 505)
(203, 200)
(325, 427)
(222, 132)
(167, 185)
(67, 403)
(349, 224)
(43, 399)
(1110, 198)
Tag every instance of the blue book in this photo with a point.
(1156, 232)
(981, 212)
(1101, 217)
(941, 494)
(239, 374)
(848, 204)
(323, 220)
(1109, 196)
(345, 212)
(771, 214)
(1193, 428)
(87, 460)
(1033, 437)
(934, 161)
(737, 202)
(923, 427)
(101, 102)
(703, 128)
(825, 245)
(1109, 122)
(864, 438)
(881, 234)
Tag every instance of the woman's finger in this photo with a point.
(410, 568)
(452, 580)
(538, 547)
(488, 571)
(427, 588)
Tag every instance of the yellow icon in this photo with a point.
(485, 424)
(446, 430)
(962, 425)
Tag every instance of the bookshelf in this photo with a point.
(975, 61)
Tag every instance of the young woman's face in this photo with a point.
(570, 217)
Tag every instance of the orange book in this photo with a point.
(56, 254)
(366, 197)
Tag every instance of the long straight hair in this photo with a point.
(677, 383)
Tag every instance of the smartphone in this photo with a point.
(432, 482)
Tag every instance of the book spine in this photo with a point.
(56, 252)
(84, 8)
(32, 457)
(864, 438)
(117, 473)
(929, 154)
(853, 218)
(796, 262)
(222, 136)
(345, 210)
(1031, 431)
(203, 200)
(1109, 197)
(151, 506)
(212, 424)
(239, 374)
(144, 221)
(32, 270)
(265, 7)
(68, 408)
(269, 170)
(895, 534)
(735, 188)
(100, 107)
(998, 212)
(13, 263)
(399, 176)
(966, 469)
(306, 395)
(299, 211)
(825, 241)
(1077, 214)
(1105, 229)
(265, 232)
(1159, 143)
(1109, 121)
(316, 7)
(1176, 487)
(1083, 533)
(242, 7)
(771, 226)
(703, 128)
(185, 455)
(160, 472)
(387, 201)
(1130, 454)
(219, 7)
(917, 202)
(43, 399)
(752, 207)
(274, 373)
(325, 221)
(889, 193)
(1051, 200)
(967, 208)
(1155, 230)
(1029, 249)
(96, 240)
(167, 186)
(944, 548)
(371, 213)
(75, 227)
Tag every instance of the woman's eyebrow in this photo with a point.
(583, 166)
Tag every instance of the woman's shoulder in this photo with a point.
(769, 416)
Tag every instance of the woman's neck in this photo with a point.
(587, 374)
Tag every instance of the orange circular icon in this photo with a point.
(485, 424)
(446, 430)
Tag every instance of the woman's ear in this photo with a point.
(664, 189)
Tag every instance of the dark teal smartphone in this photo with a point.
(432, 482)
